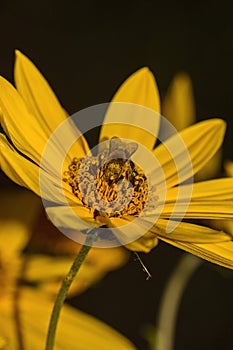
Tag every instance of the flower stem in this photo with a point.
(91, 237)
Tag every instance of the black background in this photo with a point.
(86, 49)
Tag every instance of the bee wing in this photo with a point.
(118, 148)
(122, 149)
(131, 148)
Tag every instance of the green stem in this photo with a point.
(65, 287)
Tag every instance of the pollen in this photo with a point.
(116, 183)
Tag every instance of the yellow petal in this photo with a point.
(24, 130)
(28, 134)
(72, 220)
(41, 100)
(47, 272)
(209, 244)
(178, 104)
(19, 210)
(183, 233)
(37, 94)
(217, 253)
(200, 210)
(196, 144)
(219, 189)
(74, 327)
(212, 169)
(135, 236)
(143, 244)
(17, 168)
(179, 108)
(139, 89)
(205, 200)
(57, 266)
(26, 174)
(223, 225)
(189, 233)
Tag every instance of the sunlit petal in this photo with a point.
(200, 210)
(37, 94)
(217, 253)
(26, 174)
(190, 233)
(201, 141)
(139, 89)
(42, 102)
(219, 189)
(23, 129)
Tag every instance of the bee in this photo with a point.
(118, 164)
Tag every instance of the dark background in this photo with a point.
(86, 49)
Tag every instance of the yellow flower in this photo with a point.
(52, 253)
(32, 112)
(24, 309)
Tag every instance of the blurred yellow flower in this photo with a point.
(32, 112)
(24, 309)
(229, 168)
(178, 104)
(52, 253)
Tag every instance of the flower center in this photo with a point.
(114, 187)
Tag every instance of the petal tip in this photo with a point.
(4, 82)
(183, 82)
(183, 77)
(143, 72)
(215, 123)
(144, 69)
(18, 54)
(220, 124)
(20, 57)
(140, 88)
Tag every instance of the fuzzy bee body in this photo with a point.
(118, 164)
